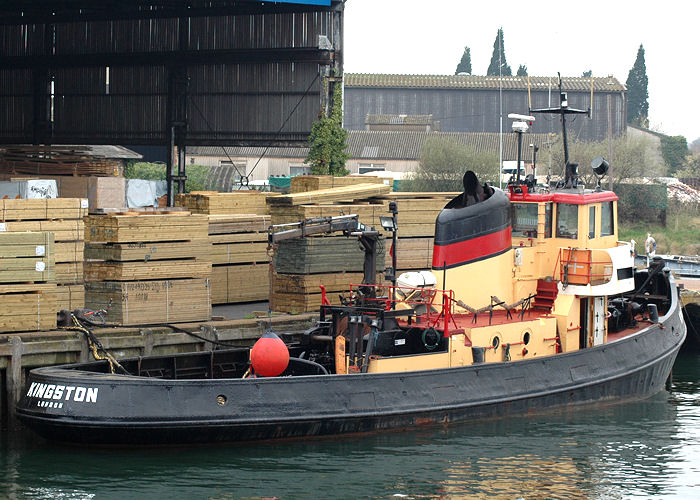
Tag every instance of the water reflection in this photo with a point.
(644, 449)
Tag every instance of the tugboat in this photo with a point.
(531, 304)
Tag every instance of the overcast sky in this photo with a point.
(428, 37)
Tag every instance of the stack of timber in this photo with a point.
(27, 285)
(416, 222)
(332, 195)
(304, 183)
(55, 160)
(64, 218)
(215, 203)
(240, 271)
(302, 264)
(153, 267)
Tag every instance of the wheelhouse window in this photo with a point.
(524, 220)
(567, 221)
(606, 219)
(591, 222)
(548, 220)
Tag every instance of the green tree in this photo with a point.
(498, 57)
(587, 74)
(443, 163)
(691, 167)
(465, 64)
(674, 150)
(328, 141)
(630, 159)
(522, 70)
(637, 92)
(196, 174)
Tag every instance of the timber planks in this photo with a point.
(240, 283)
(215, 203)
(118, 228)
(148, 251)
(26, 257)
(141, 271)
(152, 301)
(239, 253)
(29, 310)
(43, 209)
(344, 193)
(322, 255)
(304, 183)
(70, 297)
(238, 223)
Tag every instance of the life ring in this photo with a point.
(430, 344)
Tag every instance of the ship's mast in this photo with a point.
(563, 110)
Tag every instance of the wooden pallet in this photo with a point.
(153, 301)
(148, 251)
(135, 227)
(55, 160)
(240, 283)
(346, 193)
(142, 271)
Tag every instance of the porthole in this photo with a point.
(221, 400)
(496, 342)
(526, 338)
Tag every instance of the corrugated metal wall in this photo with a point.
(473, 110)
(124, 99)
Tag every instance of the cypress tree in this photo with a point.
(637, 92)
(465, 64)
(522, 70)
(493, 66)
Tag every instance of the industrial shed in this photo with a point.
(470, 103)
(391, 151)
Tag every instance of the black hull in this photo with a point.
(143, 411)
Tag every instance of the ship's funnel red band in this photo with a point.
(471, 250)
(472, 233)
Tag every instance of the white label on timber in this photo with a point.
(40, 266)
(62, 392)
(3, 227)
(83, 203)
(40, 250)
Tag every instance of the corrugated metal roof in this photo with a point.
(390, 145)
(600, 84)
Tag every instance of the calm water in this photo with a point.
(645, 449)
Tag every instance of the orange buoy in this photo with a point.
(269, 356)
